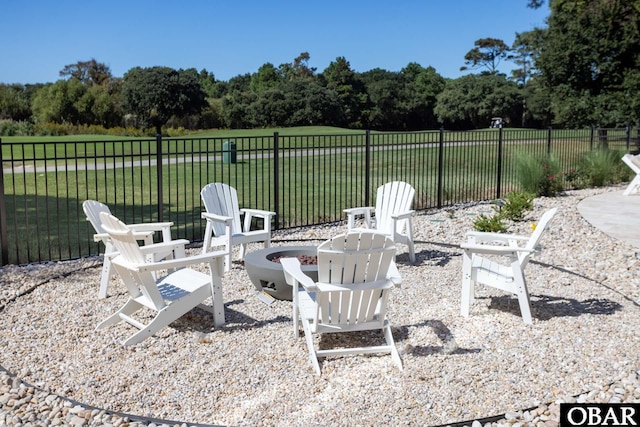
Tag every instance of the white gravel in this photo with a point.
(583, 344)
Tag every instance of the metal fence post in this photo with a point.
(591, 140)
(549, 141)
(367, 166)
(440, 166)
(3, 215)
(628, 131)
(499, 176)
(159, 175)
(276, 181)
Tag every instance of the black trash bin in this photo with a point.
(228, 152)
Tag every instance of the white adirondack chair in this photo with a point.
(351, 293)
(143, 232)
(634, 163)
(170, 296)
(480, 263)
(224, 227)
(392, 214)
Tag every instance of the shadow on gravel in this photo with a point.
(443, 332)
(202, 321)
(545, 307)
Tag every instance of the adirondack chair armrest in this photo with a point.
(481, 236)
(100, 237)
(494, 250)
(394, 275)
(217, 218)
(139, 235)
(403, 215)
(378, 284)
(164, 246)
(258, 212)
(362, 210)
(294, 275)
(208, 257)
(151, 226)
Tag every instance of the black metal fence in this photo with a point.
(306, 179)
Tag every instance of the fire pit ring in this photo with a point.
(267, 275)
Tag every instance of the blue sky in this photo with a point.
(231, 37)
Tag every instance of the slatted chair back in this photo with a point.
(356, 272)
(534, 240)
(92, 209)
(228, 225)
(140, 284)
(357, 264)
(393, 198)
(221, 199)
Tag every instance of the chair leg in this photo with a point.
(312, 350)
(208, 230)
(130, 307)
(633, 186)
(412, 253)
(139, 336)
(467, 285)
(227, 258)
(388, 336)
(104, 278)
(164, 317)
(216, 293)
(107, 270)
(351, 222)
(522, 293)
(296, 320)
(158, 322)
(406, 239)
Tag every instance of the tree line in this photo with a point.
(582, 69)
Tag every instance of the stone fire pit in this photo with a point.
(267, 275)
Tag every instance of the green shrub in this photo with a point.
(15, 128)
(602, 167)
(512, 207)
(515, 204)
(11, 128)
(575, 179)
(551, 182)
(491, 224)
(51, 129)
(540, 176)
(528, 172)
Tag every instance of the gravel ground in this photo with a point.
(491, 367)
